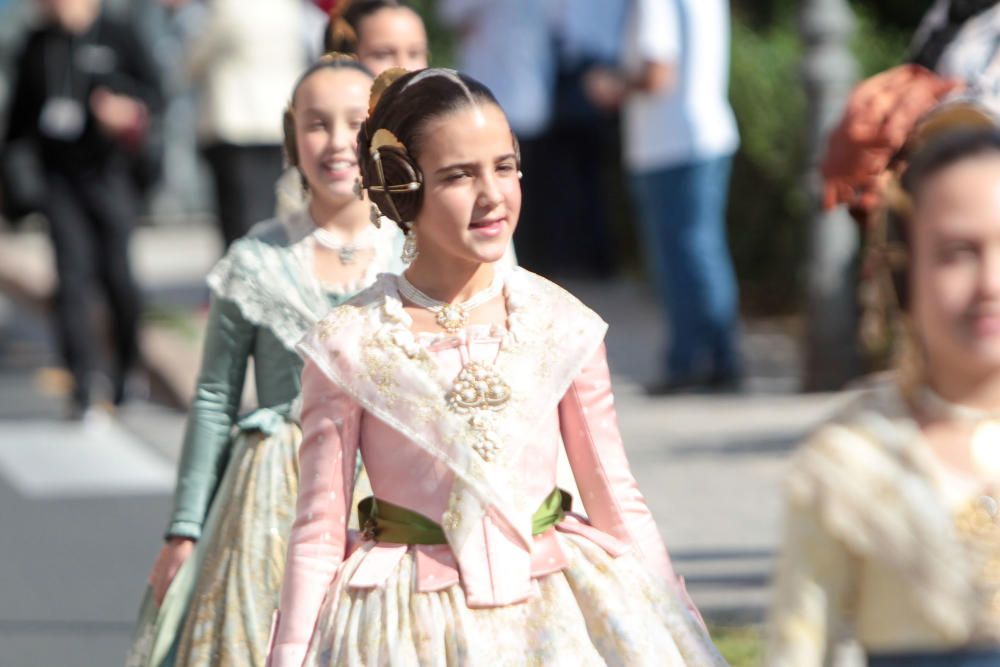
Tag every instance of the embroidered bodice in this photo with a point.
(882, 543)
(371, 385)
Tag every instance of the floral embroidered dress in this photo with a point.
(238, 476)
(468, 558)
(885, 545)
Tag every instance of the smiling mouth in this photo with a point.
(486, 224)
(336, 166)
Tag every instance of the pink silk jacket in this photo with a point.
(493, 566)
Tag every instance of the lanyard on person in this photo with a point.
(63, 116)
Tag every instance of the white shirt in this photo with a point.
(693, 121)
(245, 61)
(506, 45)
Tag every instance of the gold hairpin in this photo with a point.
(383, 138)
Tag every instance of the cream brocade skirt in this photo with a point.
(218, 610)
(598, 611)
(236, 590)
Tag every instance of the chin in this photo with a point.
(338, 192)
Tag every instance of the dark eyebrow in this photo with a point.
(472, 165)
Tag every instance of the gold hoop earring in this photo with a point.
(410, 250)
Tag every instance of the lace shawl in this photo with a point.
(268, 274)
(867, 477)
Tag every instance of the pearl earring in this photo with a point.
(410, 251)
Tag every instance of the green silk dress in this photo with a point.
(238, 475)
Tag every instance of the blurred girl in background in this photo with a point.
(893, 508)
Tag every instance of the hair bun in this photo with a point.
(381, 83)
(342, 34)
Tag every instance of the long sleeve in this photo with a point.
(25, 104)
(142, 76)
(596, 453)
(229, 340)
(813, 591)
(316, 548)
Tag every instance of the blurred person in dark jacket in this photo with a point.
(85, 92)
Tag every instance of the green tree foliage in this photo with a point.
(768, 208)
(441, 39)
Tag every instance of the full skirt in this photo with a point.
(599, 610)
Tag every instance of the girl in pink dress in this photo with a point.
(459, 381)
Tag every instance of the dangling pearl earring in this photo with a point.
(410, 251)
(520, 174)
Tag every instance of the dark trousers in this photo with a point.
(91, 213)
(245, 179)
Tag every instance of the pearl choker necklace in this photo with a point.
(984, 446)
(449, 316)
(346, 252)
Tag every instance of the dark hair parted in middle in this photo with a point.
(343, 32)
(939, 153)
(405, 109)
(334, 61)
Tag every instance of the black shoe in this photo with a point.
(726, 383)
(675, 387)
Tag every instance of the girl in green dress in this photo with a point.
(214, 585)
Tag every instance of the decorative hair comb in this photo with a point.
(383, 81)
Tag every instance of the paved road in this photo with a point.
(82, 507)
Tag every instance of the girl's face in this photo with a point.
(392, 37)
(472, 194)
(329, 108)
(955, 267)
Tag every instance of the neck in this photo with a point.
(350, 216)
(448, 279)
(979, 391)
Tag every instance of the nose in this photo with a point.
(341, 137)
(989, 276)
(489, 196)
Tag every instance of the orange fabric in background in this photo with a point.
(880, 114)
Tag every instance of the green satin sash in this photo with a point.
(385, 522)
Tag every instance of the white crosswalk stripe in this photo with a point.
(47, 459)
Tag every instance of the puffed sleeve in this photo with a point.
(596, 453)
(813, 589)
(229, 340)
(330, 428)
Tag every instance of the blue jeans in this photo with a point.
(682, 213)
